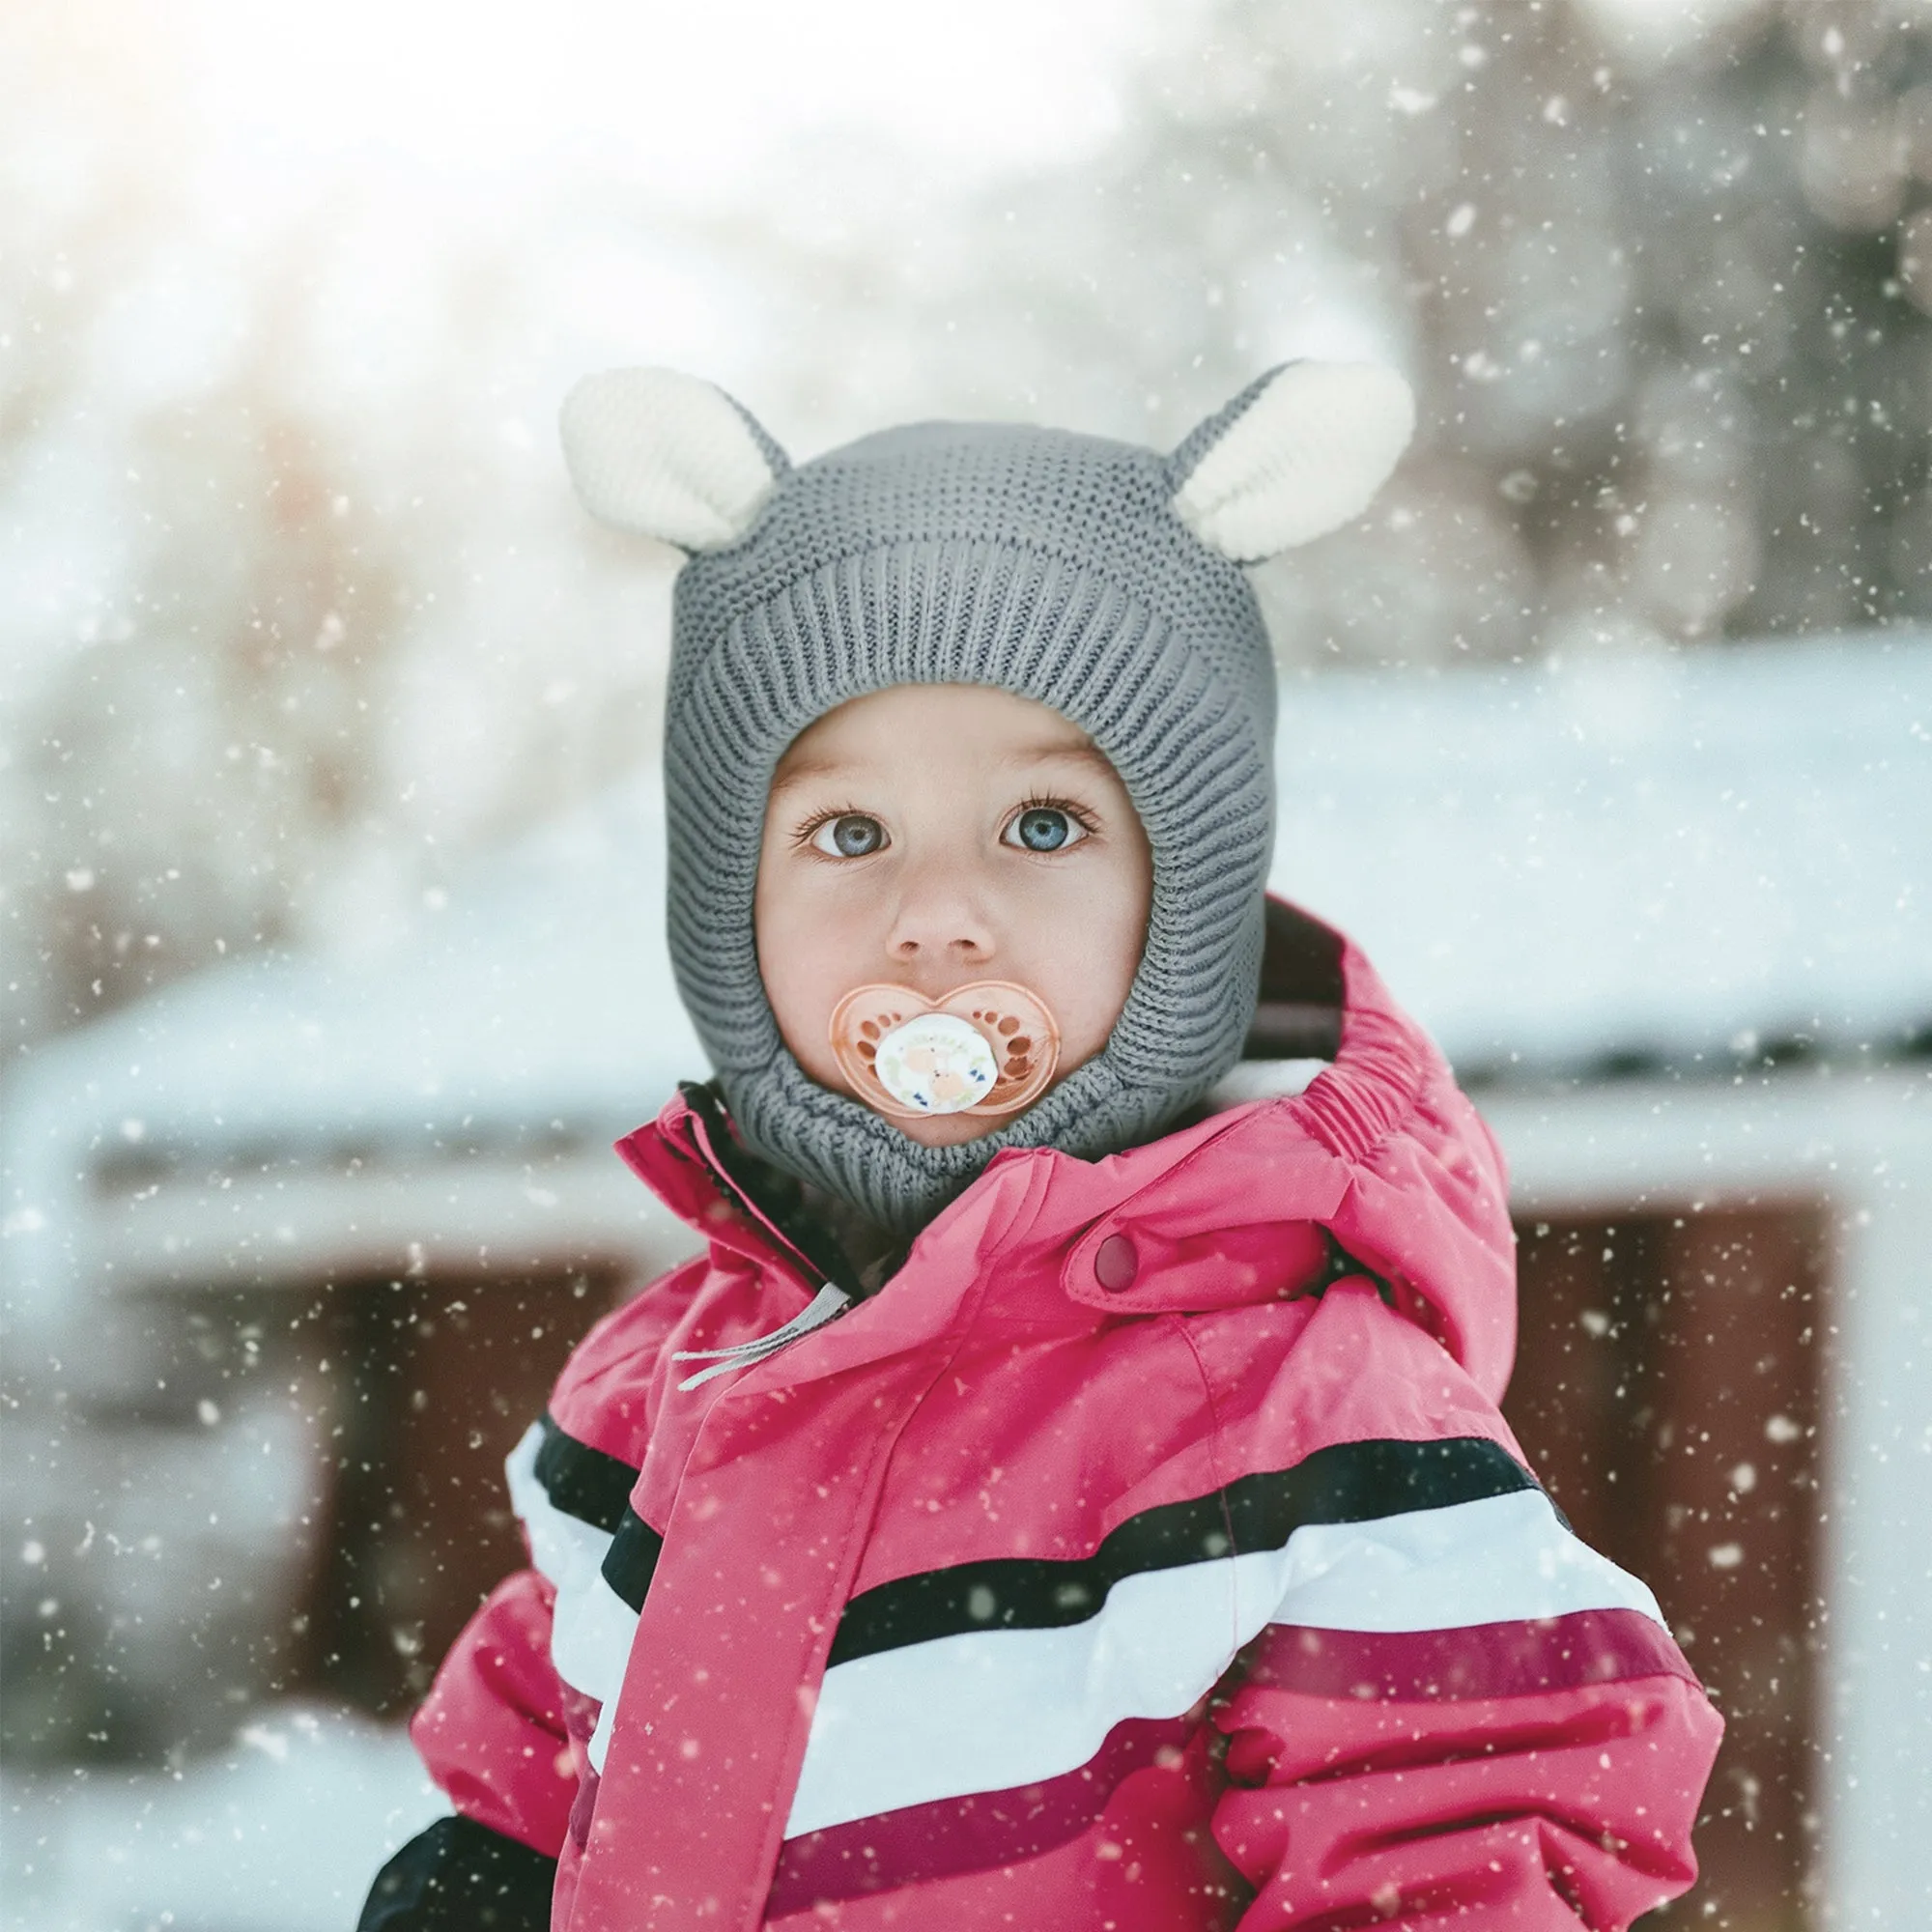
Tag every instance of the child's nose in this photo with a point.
(937, 923)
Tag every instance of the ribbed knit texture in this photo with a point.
(1050, 565)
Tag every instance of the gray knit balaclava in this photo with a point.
(1097, 577)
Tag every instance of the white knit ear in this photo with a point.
(1302, 455)
(668, 456)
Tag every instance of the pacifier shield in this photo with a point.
(990, 1048)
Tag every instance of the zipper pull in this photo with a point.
(825, 1304)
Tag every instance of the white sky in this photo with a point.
(370, 146)
(692, 98)
(1661, 27)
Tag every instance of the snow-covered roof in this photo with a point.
(541, 990)
(1644, 858)
(1553, 866)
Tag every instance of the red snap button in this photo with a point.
(1115, 1264)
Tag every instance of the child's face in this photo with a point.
(930, 836)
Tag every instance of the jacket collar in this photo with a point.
(1380, 1167)
(690, 1159)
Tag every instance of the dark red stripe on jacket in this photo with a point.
(1507, 1659)
(978, 1833)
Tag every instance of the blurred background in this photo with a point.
(330, 855)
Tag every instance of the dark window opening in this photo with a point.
(1666, 1392)
(443, 1376)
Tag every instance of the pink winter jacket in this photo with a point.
(1150, 1554)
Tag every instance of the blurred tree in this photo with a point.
(1659, 322)
(1662, 303)
(202, 764)
(196, 727)
(1661, 327)
(289, 619)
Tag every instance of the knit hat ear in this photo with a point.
(1295, 455)
(668, 456)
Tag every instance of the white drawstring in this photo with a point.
(825, 1304)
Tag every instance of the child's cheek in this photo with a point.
(805, 959)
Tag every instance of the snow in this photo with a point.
(284, 1830)
(543, 986)
(1656, 856)
(242, 235)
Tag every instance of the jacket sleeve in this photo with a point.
(491, 1730)
(1542, 1773)
(493, 1736)
(460, 1876)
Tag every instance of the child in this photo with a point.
(1069, 1492)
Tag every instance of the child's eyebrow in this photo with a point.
(803, 771)
(1089, 754)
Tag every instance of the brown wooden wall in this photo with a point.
(1667, 1392)
(442, 1377)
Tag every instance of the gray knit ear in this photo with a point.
(1295, 455)
(668, 456)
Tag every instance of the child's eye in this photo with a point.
(1043, 827)
(852, 835)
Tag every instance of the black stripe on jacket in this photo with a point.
(460, 1876)
(632, 1559)
(582, 1481)
(595, 1487)
(1347, 1482)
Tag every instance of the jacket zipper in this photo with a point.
(837, 1291)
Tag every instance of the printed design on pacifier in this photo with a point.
(989, 1049)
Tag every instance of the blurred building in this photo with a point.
(297, 1244)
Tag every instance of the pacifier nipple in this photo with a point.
(988, 1049)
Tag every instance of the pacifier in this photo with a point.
(990, 1048)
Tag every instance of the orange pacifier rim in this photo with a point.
(987, 1049)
